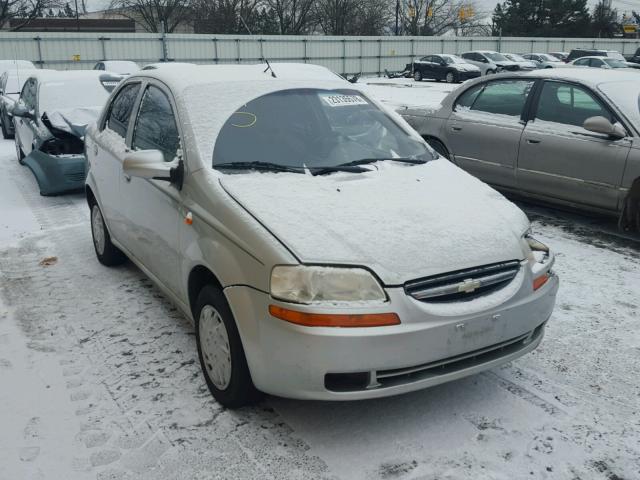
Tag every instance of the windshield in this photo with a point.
(616, 56)
(615, 63)
(72, 93)
(550, 58)
(516, 58)
(449, 59)
(496, 57)
(626, 96)
(312, 128)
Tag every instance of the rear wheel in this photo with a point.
(108, 254)
(451, 77)
(222, 357)
(417, 76)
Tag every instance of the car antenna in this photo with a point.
(273, 74)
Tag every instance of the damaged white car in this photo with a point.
(323, 250)
(50, 117)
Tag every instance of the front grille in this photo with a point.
(352, 382)
(463, 285)
(75, 177)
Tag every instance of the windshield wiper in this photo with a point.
(364, 161)
(257, 165)
(337, 168)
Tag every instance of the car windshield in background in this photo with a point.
(626, 96)
(496, 57)
(517, 58)
(615, 63)
(450, 59)
(312, 129)
(616, 56)
(70, 94)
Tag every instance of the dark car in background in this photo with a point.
(449, 68)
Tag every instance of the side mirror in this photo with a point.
(21, 110)
(604, 126)
(150, 164)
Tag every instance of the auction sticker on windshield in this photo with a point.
(343, 100)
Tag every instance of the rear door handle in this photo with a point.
(532, 141)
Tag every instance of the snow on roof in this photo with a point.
(121, 66)
(591, 76)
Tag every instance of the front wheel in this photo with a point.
(451, 77)
(490, 72)
(439, 147)
(5, 132)
(108, 254)
(417, 76)
(19, 152)
(220, 351)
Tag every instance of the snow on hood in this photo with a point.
(403, 222)
(73, 120)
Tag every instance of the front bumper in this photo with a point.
(57, 174)
(469, 75)
(426, 349)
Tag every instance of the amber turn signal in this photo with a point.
(540, 281)
(334, 320)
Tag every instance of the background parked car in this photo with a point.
(581, 53)
(635, 58)
(450, 68)
(606, 63)
(50, 116)
(522, 62)
(561, 55)
(11, 83)
(576, 143)
(490, 62)
(121, 67)
(544, 60)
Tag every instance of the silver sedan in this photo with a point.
(322, 249)
(570, 137)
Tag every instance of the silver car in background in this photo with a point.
(544, 60)
(323, 250)
(569, 137)
(490, 62)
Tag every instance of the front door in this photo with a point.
(560, 159)
(153, 216)
(484, 129)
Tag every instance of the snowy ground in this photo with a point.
(99, 375)
(403, 92)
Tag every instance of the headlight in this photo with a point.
(540, 260)
(316, 284)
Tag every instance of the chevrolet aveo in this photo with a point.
(321, 248)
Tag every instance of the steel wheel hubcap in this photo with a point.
(449, 77)
(214, 344)
(97, 227)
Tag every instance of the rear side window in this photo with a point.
(28, 95)
(506, 97)
(121, 108)
(568, 104)
(156, 127)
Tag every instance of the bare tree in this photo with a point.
(154, 15)
(23, 10)
(436, 17)
(294, 16)
(352, 17)
(224, 16)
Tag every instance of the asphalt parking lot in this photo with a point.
(100, 376)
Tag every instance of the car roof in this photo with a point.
(588, 76)
(188, 75)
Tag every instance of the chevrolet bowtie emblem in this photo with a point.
(469, 285)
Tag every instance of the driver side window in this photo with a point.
(569, 104)
(155, 127)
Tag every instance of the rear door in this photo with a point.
(107, 153)
(485, 126)
(427, 67)
(559, 159)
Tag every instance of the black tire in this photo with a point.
(490, 72)
(417, 76)
(19, 152)
(239, 391)
(108, 254)
(451, 77)
(5, 133)
(439, 147)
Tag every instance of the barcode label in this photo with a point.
(343, 100)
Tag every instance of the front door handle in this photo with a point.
(532, 141)
(456, 129)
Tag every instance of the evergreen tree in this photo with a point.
(542, 18)
(604, 21)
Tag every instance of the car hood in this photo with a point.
(401, 221)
